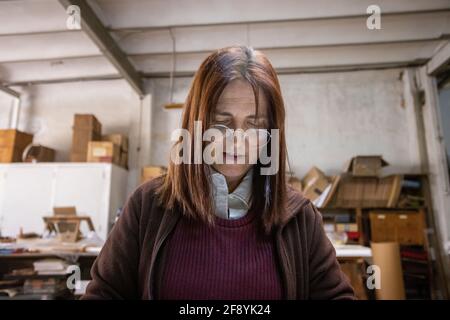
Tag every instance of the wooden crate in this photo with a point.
(86, 121)
(86, 128)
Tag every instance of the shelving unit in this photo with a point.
(421, 260)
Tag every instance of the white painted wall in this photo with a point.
(47, 111)
(330, 118)
(6, 110)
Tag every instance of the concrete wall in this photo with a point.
(330, 118)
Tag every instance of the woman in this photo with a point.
(228, 228)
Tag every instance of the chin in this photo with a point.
(232, 170)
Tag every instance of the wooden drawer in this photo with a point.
(404, 227)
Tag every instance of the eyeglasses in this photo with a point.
(255, 137)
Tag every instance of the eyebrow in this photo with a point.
(227, 114)
(236, 99)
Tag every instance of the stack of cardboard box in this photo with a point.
(86, 128)
(88, 144)
(359, 186)
(12, 144)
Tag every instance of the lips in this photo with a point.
(231, 157)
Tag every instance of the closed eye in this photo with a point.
(222, 122)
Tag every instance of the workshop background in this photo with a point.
(90, 92)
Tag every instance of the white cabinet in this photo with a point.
(30, 191)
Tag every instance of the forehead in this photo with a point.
(238, 96)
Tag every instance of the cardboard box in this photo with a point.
(404, 227)
(103, 151)
(295, 183)
(86, 121)
(12, 145)
(80, 141)
(151, 172)
(38, 153)
(122, 142)
(365, 166)
(328, 195)
(119, 139)
(314, 183)
(86, 128)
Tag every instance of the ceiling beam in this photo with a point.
(205, 52)
(94, 28)
(76, 44)
(188, 74)
(299, 70)
(271, 21)
(296, 59)
(439, 60)
(10, 91)
(233, 23)
(61, 80)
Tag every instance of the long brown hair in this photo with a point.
(187, 186)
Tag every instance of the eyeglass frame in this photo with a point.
(228, 129)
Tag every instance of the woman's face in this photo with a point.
(236, 109)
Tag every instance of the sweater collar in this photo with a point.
(232, 205)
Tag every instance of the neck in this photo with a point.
(233, 182)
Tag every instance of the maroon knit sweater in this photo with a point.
(232, 260)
